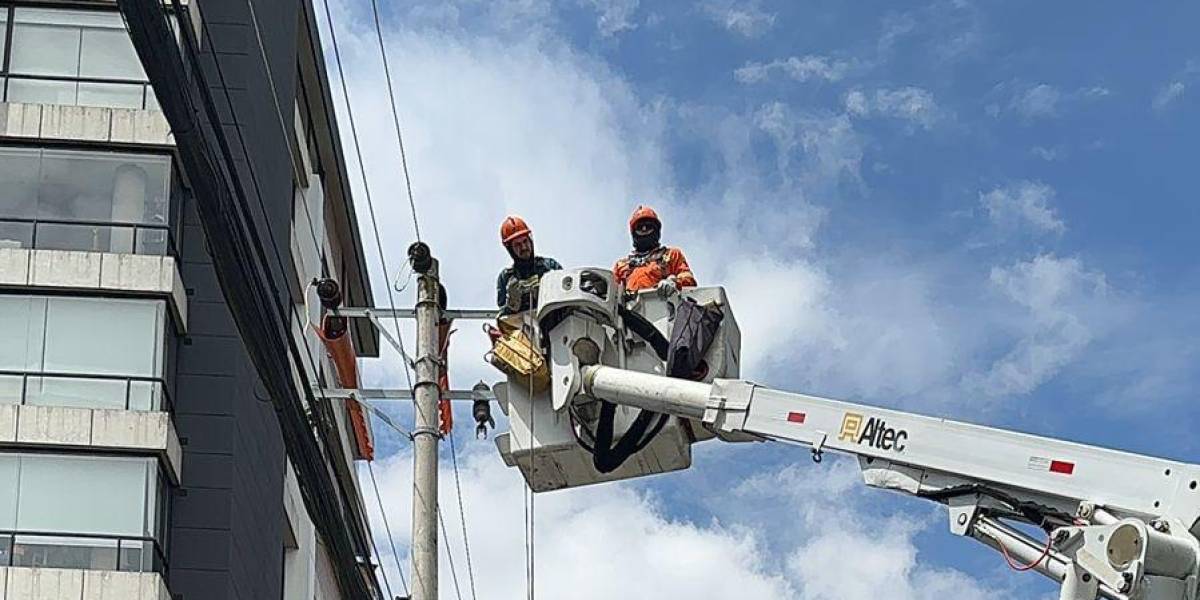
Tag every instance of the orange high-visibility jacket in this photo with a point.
(641, 271)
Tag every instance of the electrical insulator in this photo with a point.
(482, 409)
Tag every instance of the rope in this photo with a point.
(462, 516)
(387, 73)
(530, 504)
(387, 529)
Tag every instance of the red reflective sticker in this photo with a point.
(1062, 466)
(795, 417)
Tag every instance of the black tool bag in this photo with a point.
(693, 332)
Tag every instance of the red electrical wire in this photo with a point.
(1018, 567)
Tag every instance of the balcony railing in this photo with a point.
(80, 91)
(81, 551)
(90, 236)
(85, 391)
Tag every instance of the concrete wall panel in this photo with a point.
(54, 425)
(14, 266)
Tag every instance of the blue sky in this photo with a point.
(979, 210)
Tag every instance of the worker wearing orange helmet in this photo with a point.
(651, 264)
(516, 287)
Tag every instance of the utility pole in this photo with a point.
(426, 435)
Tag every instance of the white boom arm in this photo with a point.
(1120, 526)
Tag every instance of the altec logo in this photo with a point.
(874, 433)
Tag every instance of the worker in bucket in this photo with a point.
(651, 264)
(517, 285)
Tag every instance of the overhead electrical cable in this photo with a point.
(387, 73)
(337, 53)
(375, 226)
(462, 515)
(240, 263)
(387, 528)
(332, 447)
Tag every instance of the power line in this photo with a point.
(462, 516)
(387, 529)
(450, 556)
(375, 223)
(324, 517)
(387, 73)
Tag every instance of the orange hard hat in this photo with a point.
(512, 228)
(641, 213)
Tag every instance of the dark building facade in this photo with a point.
(145, 452)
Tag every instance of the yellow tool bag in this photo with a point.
(515, 354)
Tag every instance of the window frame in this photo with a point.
(148, 100)
(175, 192)
(159, 381)
(155, 520)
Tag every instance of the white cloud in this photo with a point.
(798, 68)
(912, 104)
(1049, 154)
(611, 541)
(1169, 94)
(1060, 295)
(614, 16)
(744, 18)
(1041, 100)
(533, 127)
(1023, 204)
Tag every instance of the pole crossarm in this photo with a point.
(398, 394)
(461, 314)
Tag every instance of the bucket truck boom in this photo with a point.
(1117, 525)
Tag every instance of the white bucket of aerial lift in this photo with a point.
(544, 435)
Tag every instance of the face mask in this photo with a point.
(643, 243)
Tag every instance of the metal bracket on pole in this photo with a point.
(461, 314)
(400, 394)
(387, 335)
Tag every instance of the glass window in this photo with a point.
(50, 337)
(111, 95)
(64, 552)
(44, 42)
(109, 336)
(4, 28)
(43, 91)
(73, 43)
(76, 391)
(58, 188)
(109, 54)
(15, 234)
(19, 181)
(86, 495)
(22, 319)
(104, 186)
(10, 473)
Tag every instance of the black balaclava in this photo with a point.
(646, 243)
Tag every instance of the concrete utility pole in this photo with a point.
(425, 434)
